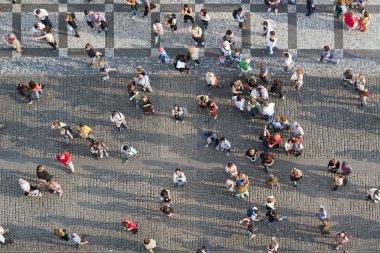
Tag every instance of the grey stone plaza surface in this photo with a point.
(106, 191)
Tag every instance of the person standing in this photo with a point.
(187, 13)
(178, 113)
(328, 55)
(341, 238)
(333, 167)
(321, 213)
(104, 70)
(212, 109)
(310, 7)
(85, 132)
(364, 21)
(296, 80)
(229, 36)
(49, 37)
(205, 18)
(351, 20)
(129, 225)
(295, 175)
(12, 41)
(273, 247)
(267, 160)
(89, 21)
(240, 17)
(36, 88)
(273, 5)
(146, 106)
(118, 119)
(143, 80)
(288, 62)
(251, 154)
(271, 43)
(197, 34)
(150, 244)
(193, 54)
(43, 15)
(65, 159)
(347, 171)
(179, 177)
(224, 145)
(277, 88)
(26, 187)
(338, 181)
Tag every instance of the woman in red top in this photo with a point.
(65, 159)
(129, 225)
(350, 20)
(36, 88)
(213, 109)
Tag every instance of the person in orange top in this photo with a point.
(36, 88)
(65, 159)
(213, 109)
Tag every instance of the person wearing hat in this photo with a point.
(298, 147)
(11, 40)
(197, 34)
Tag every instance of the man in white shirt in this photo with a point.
(268, 109)
(288, 61)
(271, 42)
(179, 177)
(43, 15)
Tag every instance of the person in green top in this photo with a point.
(244, 66)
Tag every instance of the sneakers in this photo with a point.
(222, 149)
(228, 153)
(105, 78)
(31, 102)
(217, 147)
(134, 16)
(206, 145)
(196, 43)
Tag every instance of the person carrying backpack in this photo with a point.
(239, 16)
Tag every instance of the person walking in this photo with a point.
(49, 37)
(134, 7)
(338, 181)
(231, 170)
(178, 113)
(322, 213)
(341, 238)
(71, 24)
(128, 151)
(88, 19)
(65, 159)
(288, 62)
(240, 18)
(150, 244)
(11, 40)
(310, 6)
(118, 119)
(364, 21)
(295, 175)
(271, 43)
(224, 144)
(26, 187)
(36, 88)
(64, 130)
(146, 4)
(171, 21)
(146, 106)
(100, 22)
(85, 132)
(212, 80)
(92, 53)
(277, 88)
(333, 167)
(197, 34)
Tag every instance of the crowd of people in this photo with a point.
(250, 94)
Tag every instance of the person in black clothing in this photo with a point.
(71, 24)
(310, 7)
(180, 64)
(24, 91)
(92, 53)
(42, 175)
(277, 88)
(61, 233)
(333, 167)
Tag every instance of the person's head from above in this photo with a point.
(38, 11)
(377, 193)
(102, 63)
(47, 30)
(322, 209)
(265, 23)
(366, 14)
(272, 33)
(178, 171)
(265, 103)
(185, 6)
(210, 133)
(40, 168)
(240, 175)
(81, 125)
(240, 9)
(140, 76)
(285, 55)
(195, 25)
(299, 71)
(144, 98)
(351, 14)
(125, 147)
(260, 64)
(229, 33)
(222, 139)
(175, 107)
(146, 241)
(326, 48)
(114, 113)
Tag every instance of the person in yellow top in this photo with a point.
(85, 132)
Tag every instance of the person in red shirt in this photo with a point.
(350, 20)
(271, 140)
(36, 88)
(65, 159)
(129, 225)
(213, 109)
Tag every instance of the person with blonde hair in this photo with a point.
(212, 80)
(296, 80)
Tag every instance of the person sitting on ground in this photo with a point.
(271, 181)
(129, 225)
(42, 175)
(26, 187)
(179, 177)
(165, 194)
(348, 77)
(77, 240)
(98, 149)
(202, 101)
(373, 194)
(210, 138)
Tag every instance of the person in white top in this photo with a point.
(225, 49)
(118, 119)
(263, 92)
(287, 64)
(43, 15)
(268, 26)
(158, 31)
(231, 169)
(271, 42)
(224, 145)
(143, 81)
(179, 177)
(268, 109)
(204, 17)
(296, 80)
(26, 187)
(373, 194)
(298, 147)
(38, 29)
(48, 36)
(239, 102)
(128, 151)
(150, 244)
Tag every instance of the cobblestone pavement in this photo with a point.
(105, 191)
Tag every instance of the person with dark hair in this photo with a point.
(328, 55)
(251, 154)
(205, 18)
(150, 244)
(180, 65)
(36, 88)
(167, 209)
(42, 175)
(229, 36)
(187, 13)
(267, 160)
(92, 53)
(224, 145)
(178, 113)
(61, 233)
(179, 177)
(129, 225)
(24, 91)
(210, 138)
(89, 21)
(43, 15)
(72, 24)
(203, 250)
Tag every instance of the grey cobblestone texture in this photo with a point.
(106, 191)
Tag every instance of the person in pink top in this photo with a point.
(129, 225)
(350, 20)
(65, 159)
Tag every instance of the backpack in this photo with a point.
(234, 13)
(250, 212)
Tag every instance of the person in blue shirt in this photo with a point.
(235, 56)
(104, 70)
